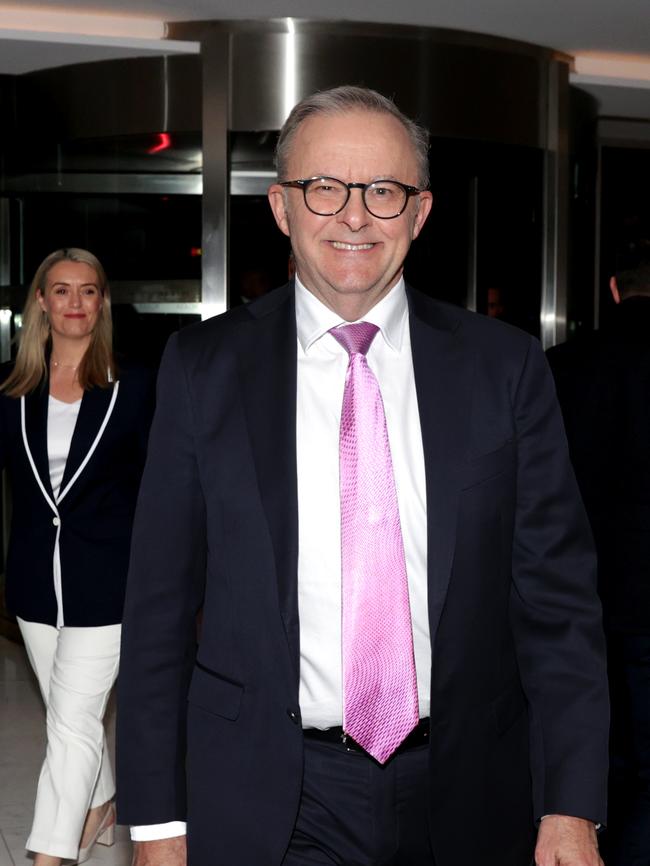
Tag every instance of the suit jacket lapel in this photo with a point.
(268, 362)
(94, 405)
(36, 406)
(444, 377)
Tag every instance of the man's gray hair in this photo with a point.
(340, 100)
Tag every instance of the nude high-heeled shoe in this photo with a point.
(104, 834)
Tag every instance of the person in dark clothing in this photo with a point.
(603, 383)
(247, 743)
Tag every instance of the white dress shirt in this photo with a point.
(322, 364)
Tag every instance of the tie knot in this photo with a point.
(356, 338)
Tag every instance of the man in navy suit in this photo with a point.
(244, 741)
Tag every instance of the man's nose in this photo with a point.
(354, 214)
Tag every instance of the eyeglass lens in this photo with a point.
(327, 196)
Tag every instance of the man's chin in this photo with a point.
(352, 300)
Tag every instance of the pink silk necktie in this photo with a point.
(379, 681)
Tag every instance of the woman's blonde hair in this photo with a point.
(98, 365)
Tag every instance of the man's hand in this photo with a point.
(566, 841)
(161, 852)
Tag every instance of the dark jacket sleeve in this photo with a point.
(555, 611)
(164, 594)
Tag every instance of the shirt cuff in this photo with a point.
(151, 832)
(596, 825)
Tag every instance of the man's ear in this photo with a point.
(613, 287)
(425, 202)
(277, 200)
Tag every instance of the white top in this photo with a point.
(322, 364)
(61, 420)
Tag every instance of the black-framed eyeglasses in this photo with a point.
(327, 196)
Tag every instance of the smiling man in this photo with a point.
(368, 495)
(349, 245)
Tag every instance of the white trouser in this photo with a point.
(76, 669)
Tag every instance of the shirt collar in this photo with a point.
(314, 319)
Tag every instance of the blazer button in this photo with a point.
(294, 716)
(56, 521)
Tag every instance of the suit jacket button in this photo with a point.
(294, 715)
(56, 521)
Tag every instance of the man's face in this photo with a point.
(352, 259)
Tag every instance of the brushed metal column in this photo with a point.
(5, 279)
(215, 56)
(471, 301)
(5, 260)
(553, 313)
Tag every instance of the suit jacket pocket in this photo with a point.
(216, 695)
(487, 466)
(508, 707)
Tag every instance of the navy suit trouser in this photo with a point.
(355, 812)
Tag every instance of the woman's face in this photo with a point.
(72, 299)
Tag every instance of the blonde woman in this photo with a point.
(73, 432)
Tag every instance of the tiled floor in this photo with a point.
(22, 744)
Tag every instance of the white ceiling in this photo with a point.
(598, 33)
(568, 25)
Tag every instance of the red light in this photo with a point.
(195, 252)
(164, 142)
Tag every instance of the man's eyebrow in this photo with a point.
(334, 177)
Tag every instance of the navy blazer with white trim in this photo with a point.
(95, 515)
